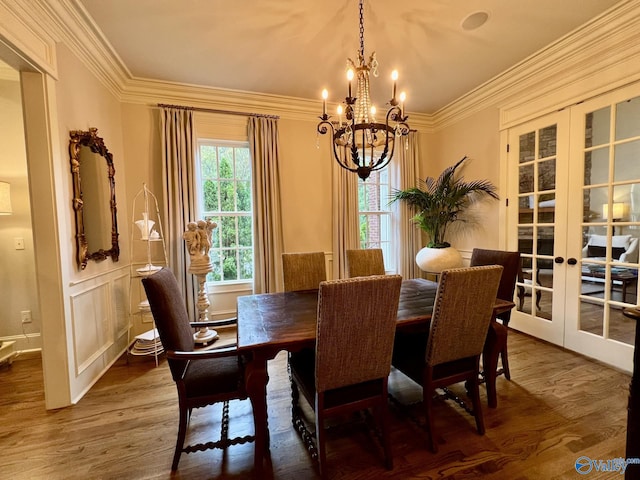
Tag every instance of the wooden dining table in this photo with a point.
(273, 322)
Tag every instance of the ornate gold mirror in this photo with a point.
(94, 197)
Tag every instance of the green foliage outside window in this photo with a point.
(226, 187)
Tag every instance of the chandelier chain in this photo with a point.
(361, 28)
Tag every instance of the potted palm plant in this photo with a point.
(439, 204)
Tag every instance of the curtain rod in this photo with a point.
(213, 110)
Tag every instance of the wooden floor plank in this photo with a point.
(558, 407)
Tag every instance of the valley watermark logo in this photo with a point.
(585, 465)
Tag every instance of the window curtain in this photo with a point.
(179, 188)
(409, 238)
(267, 215)
(345, 216)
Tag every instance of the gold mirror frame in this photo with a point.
(90, 139)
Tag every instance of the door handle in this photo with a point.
(572, 261)
(558, 259)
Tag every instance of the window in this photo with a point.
(224, 173)
(375, 215)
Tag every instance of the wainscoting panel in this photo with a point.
(93, 325)
(99, 326)
(121, 304)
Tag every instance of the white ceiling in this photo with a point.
(298, 47)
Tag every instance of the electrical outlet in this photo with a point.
(25, 315)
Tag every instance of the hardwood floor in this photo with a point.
(558, 407)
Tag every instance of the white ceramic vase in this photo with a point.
(145, 225)
(435, 260)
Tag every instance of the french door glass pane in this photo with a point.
(547, 175)
(548, 141)
(627, 161)
(593, 201)
(596, 166)
(598, 127)
(527, 147)
(526, 179)
(628, 119)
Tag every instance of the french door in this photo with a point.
(605, 221)
(576, 177)
(537, 162)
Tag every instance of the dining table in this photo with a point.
(286, 321)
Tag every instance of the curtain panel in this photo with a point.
(409, 236)
(267, 217)
(179, 189)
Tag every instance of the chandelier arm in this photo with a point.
(322, 126)
(342, 162)
(322, 130)
(336, 134)
(384, 159)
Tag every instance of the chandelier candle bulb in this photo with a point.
(349, 77)
(340, 116)
(403, 97)
(325, 95)
(394, 77)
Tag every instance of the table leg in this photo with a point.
(490, 354)
(256, 379)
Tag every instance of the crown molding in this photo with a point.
(152, 92)
(608, 38)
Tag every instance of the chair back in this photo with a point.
(355, 330)
(170, 316)
(461, 313)
(510, 261)
(362, 263)
(303, 271)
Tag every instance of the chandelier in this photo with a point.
(361, 144)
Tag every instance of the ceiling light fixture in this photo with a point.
(361, 144)
(474, 20)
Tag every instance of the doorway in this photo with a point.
(37, 107)
(20, 320)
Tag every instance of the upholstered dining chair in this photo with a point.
(303, 271)
(350, 369)
(202, 377)
(450, 352)
(497, 337)
(365, 262)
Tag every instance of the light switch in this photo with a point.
(18, 243)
